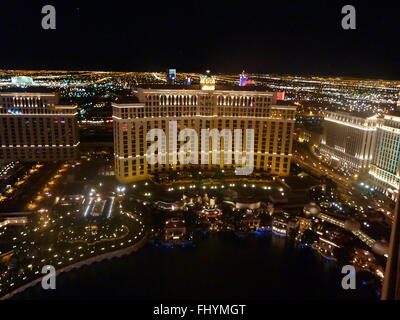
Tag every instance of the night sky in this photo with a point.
(283, 37)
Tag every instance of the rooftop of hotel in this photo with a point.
(395, 113)
(196, 86)
(126, 100)
(358, 114)
(28, 90)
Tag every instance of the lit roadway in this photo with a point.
(158, 78)
(306, 159)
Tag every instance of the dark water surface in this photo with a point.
(219, 266)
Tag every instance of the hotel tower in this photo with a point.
(197, 109)
(385, 167)
(34, 127)
(349, 140)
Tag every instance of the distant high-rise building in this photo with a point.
(273, 126)
(171, 76)
(385, 167)
(22, 81)
(33, 127)
(349, 139)
(244, 80)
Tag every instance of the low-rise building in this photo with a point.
(175, 230)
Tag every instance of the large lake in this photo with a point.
(221, 266)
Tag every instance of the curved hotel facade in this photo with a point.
(365, 144)
(196, 109)
(385, 167)
(349, 139)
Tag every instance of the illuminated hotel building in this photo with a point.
(207, 108)
(385, 167)
(349, 139)
(33, 127)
